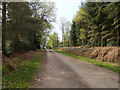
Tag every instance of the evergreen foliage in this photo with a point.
(96, 24)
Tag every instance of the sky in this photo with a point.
(64, 9)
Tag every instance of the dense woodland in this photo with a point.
(95, 24)
(26, 26)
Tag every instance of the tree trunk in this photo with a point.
(102, 39)
(33, 42)
(105, 42)
(118, 37)
(82, 42)
(3, 26)
(118, 33)
(57, 41)
(16, 38)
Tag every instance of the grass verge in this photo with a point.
(23, 76)
(114, 68)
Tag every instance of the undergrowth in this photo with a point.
(23, 76)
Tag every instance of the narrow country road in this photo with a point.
(63, 71)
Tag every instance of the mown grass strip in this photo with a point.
(114, 68)
(23, 76)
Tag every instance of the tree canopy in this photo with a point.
(27, 25)
(96, 24)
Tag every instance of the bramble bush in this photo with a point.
(107, 54)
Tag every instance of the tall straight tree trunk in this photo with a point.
(62, 33)
(16, 38)
(68, 42)
(105, 42)
(118, 37)
(102, 39)
(57, 41)
(118, 34)
(33, 41)
(3, 26)
(118, 28)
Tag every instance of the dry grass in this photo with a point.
(14, 61)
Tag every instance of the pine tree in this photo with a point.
(73, 37)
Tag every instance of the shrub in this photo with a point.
(108, 54)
